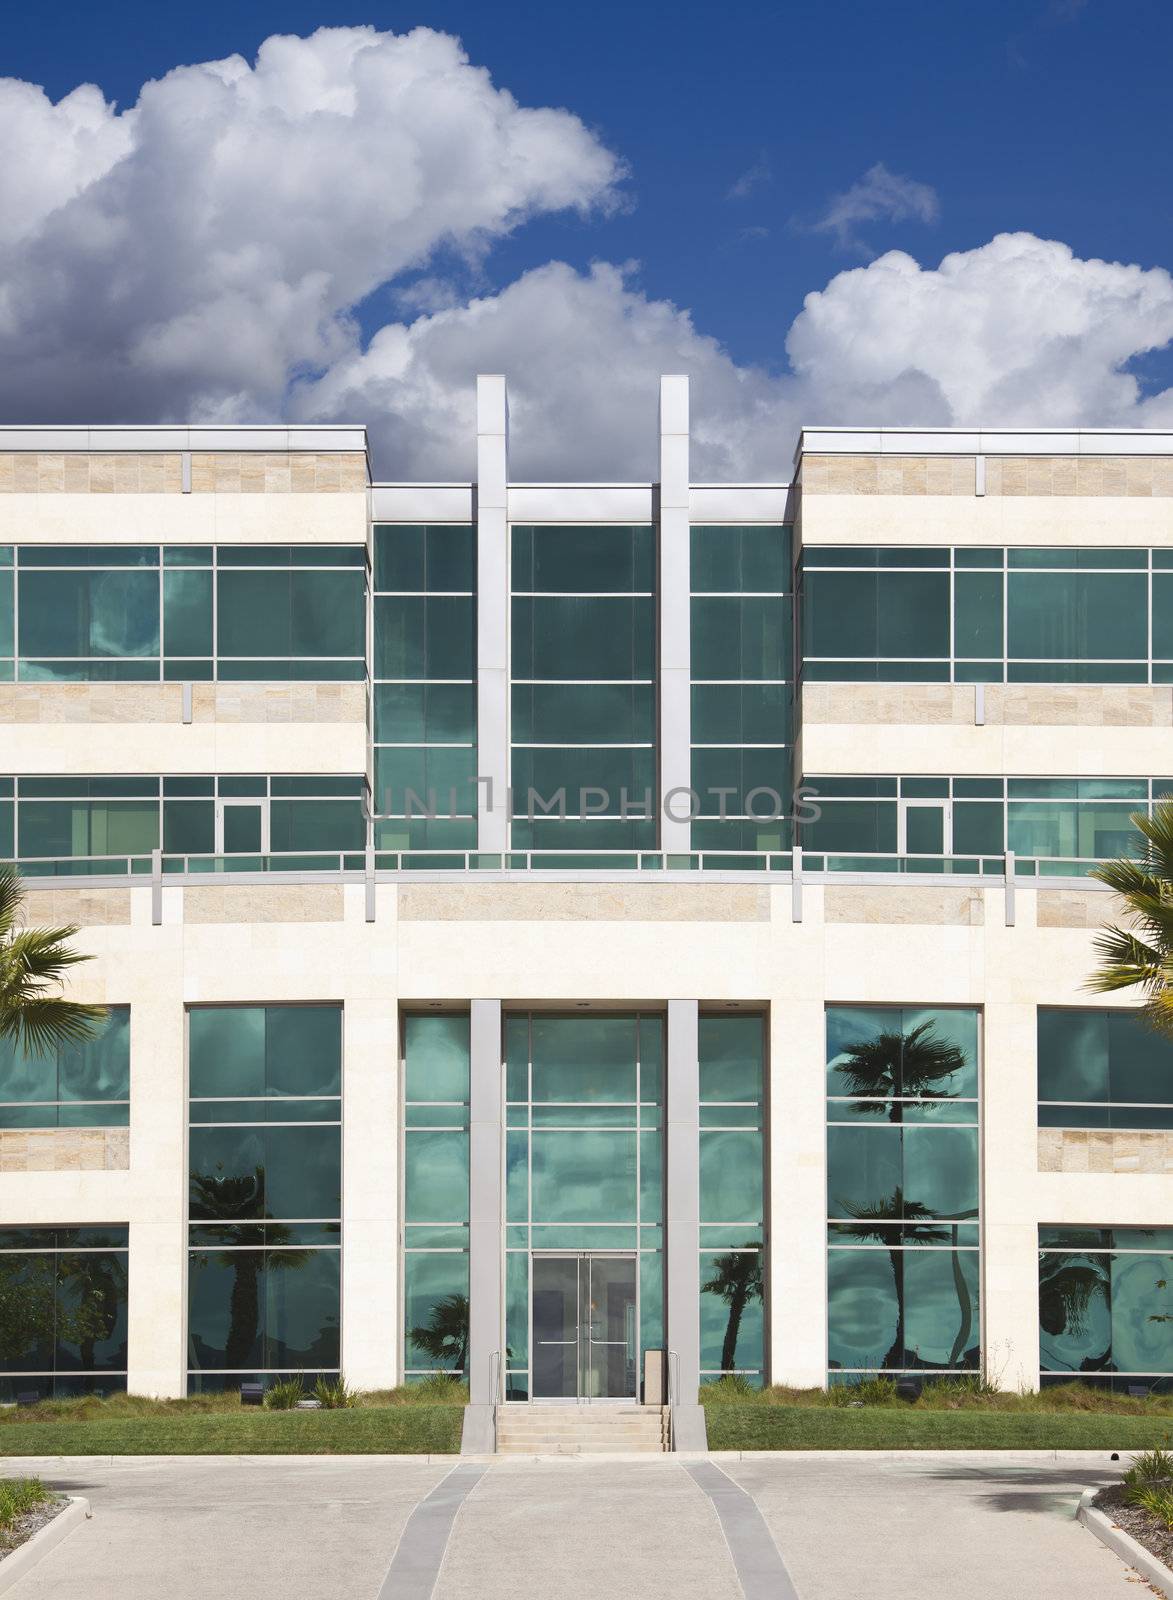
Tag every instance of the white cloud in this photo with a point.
(188, 255)
(879, 196)
(204, 254)
(1018, 332)
(752, 178)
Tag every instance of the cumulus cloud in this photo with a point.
(1020, 332)
(879, 196)
(206, 254)
(189, 254)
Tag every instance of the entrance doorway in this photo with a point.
(584, 1326)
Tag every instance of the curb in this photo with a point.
(1124, 1545)
(14, 1567)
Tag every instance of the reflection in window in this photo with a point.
(1047, 615)
(742, 708)
(85, 1084)
(60, 825)
(265, 1192)
(732, 1088)
(435, 1194)
(583, 663)
(192, 613)
(62, 1311)
(902, 1190)
(424, 694)
(583, 1158)
(1054, 826)
(1102, 1068)
(1106, 1305)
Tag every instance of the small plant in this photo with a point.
(333, 1395)
(1154, 1498)
(439, 1388)
(18, 1496)
(284, 1394)
(734, 1386)
(1152, 1466)
(875, 1391)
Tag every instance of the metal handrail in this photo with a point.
(673, 1387)
(496, 1374)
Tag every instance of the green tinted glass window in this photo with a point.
(565, 560)
(89, 614)
(1077, 615)
(187, 613)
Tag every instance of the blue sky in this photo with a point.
(739, 123)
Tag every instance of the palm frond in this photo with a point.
(10, 898)
(33, 965)
(1141, 956)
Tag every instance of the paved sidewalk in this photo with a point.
(913, 1526)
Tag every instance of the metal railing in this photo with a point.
(637, 863)
(673, 1391)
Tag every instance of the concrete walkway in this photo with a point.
(912, 1526)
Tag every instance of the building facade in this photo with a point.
(567, 934)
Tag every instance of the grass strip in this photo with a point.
(18, 1496)
(365, 1430)
(779, 1427)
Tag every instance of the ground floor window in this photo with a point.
(62, 1311)
(732, 1072)
(435, 1194)
(1106, 1306)
(265, 1192)
(903, 1259)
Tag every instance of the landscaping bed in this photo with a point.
(966, 1415)
(1142, 1505)
(25, 1508)
(415, 1421)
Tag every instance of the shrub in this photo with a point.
(734, 1386)
(875, 1391)
(18, 1496)
(285, 1394)
(1151, 1466)
(1157, 1499)
(333, 1395)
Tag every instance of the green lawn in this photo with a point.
(755, 1426)
(362, 1430)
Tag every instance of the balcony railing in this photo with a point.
(638, 862)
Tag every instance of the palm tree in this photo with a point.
(1142, 956)
(445, 1335)
(894, 1064)
(737, 1279)
(33, 963)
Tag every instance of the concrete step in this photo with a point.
(581, 1430)
(578, 1433)
(580, 1447)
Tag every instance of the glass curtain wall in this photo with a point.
(265, 1192)
(584, 1159)
(583, 701)
(62, 1311)
(57, 826)
(1055, 826)
(435, 1194)
(903, 1258)
(1106, 1307)
(1026, 615)
(85, 1084)
(1101, 1068)
(424, 665)
(130, 613)
(732, 1217)
(742, 716)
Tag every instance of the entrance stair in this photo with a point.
(537, 1430)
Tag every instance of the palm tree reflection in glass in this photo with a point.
(897, 1067)
(445, 1335)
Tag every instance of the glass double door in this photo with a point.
(584, 1326)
